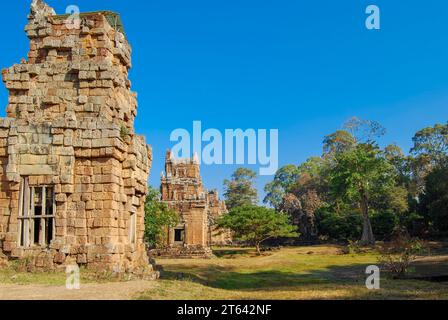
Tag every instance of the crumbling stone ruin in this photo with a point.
(182, 190)
(73, 173)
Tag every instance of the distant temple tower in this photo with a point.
(73, 176)
(182, 190)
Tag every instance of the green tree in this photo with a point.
(257, 224)
(395, 200)
(432, 143)
(434, 201)
(311, 191)
(312, 177)
(240, 190)
(358, 175)
(396, 157)
(338, 142)
(355, 131)
(284, 179)
(158, 218)
(430, 150)
(298, 191)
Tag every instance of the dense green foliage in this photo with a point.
(343, 226)
(158, 217)
(432, 143)
(255, 224)
(284, 180)
(348, 225)
(359, 174)
(384, 223)
(240, 190)
(435, 199)
(356, 189)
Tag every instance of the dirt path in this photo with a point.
(104, 291)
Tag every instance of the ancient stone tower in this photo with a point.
(73, 172)
(182, 190)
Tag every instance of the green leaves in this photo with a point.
(344, 226)
(285, 178)
(434, 201)
(358, 176)
(355, 176)
(432, 143)
(257, 224)
(338, 142)
(158, 217)
(240, 189)
(361, 172)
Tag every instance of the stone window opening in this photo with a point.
(133, 228)
(37, 208)
(179, 235)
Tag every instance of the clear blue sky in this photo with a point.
(303, 67)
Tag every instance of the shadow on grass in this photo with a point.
(227, 278)
(231, 253)
(430, 270)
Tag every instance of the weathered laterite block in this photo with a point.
(198, 209)
(73, 174)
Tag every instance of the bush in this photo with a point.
(384, 224)
(416, 224)
(398, 255)
(158, 217)
(354, 247)
(345, 226)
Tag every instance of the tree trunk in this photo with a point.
(257, 245)
(367, 238)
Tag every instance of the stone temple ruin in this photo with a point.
(182, 190)
(73, 174)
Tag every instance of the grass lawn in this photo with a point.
(318, 272)
(14, 275)
(315, 272)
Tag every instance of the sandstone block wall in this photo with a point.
(182, 190)
(70, 127)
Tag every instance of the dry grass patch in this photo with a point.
(318, 272)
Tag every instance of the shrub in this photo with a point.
(345, 226)
(384, 224)
(416, 224)
(398, 255)
(354, 247)
(124, 132)
(158, 217)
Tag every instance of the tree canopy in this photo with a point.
(285, 178)
(240, 189)
(360, 174)
(355, 176)
(432, 143)
(435, 199)
(257, 224)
